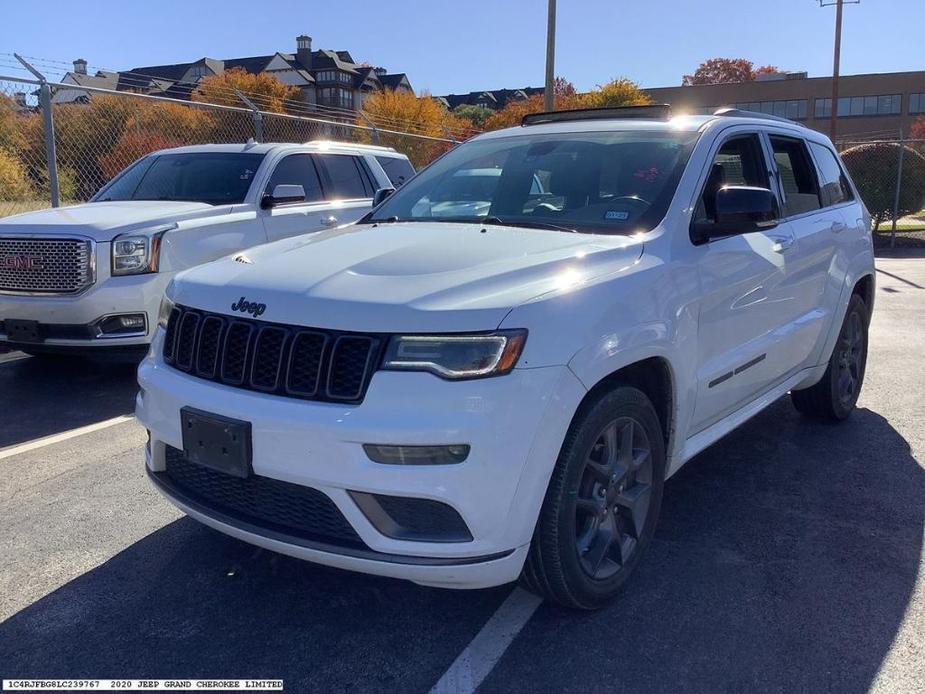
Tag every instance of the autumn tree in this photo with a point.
(725, 70)
(617, 92)
(267, 92)
(423, 115)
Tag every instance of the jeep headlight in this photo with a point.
(137, 254)
(456, 356)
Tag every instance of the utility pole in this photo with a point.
(550, 56)
(839, 5)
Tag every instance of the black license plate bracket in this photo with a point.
(217, 442)
(22, 330)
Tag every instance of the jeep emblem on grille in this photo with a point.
(251, 307)
(21, 262)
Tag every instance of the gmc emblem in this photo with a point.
(21, 262)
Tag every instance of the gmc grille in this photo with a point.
(297, 362)
(47, 266)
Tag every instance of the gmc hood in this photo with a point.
(102, 221)
(426, 277)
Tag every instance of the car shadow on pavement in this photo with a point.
(45, 396)
(189, 602)
(785, 559)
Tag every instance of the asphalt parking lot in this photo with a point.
(788, 558)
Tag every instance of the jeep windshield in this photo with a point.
(216, 178)
(615, 182)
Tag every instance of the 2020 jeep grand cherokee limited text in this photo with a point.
(463, 391)
(90, 277)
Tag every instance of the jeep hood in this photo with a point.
(102, 221)
(421, 276)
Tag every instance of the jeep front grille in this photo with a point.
(288, 360)
(45, 266)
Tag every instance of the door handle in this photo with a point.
(329, 221)
(838, 227)
(781, 243)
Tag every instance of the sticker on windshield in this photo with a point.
(247, 174)
(617, 215)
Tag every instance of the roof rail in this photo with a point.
(649, 111)
(742, 113)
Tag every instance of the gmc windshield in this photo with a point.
(216, 178)
(597, 182)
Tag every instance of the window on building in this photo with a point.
(796, 174)
(197, 72)
(879, 105)
(297, 170)
(794, 109)
(917, 103)
(835, 188)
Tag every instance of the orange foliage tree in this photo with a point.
(131, 146)
(617, 92)
(725, 70)
(267, 92)
(422, 115)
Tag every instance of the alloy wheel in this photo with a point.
(614, 497)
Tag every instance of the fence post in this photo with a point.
(258, 116)
(371, 125)
(899, 184)
(51, 155)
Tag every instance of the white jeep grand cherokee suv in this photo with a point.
(461, 400)
(89, 278)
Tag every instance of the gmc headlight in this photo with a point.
(163, 313)
(456, 356)
(136, 254)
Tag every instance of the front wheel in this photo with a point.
(602, 502)
(834, 397)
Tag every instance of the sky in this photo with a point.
(450, 47)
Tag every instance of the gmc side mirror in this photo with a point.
(738, 210)
(283, 194)
(381, 195)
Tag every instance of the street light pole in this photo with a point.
(551, 56)
(833, 125)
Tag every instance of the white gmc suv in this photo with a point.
(89, 278)
(463, 399)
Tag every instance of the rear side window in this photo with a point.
(344, 178)
(297, 170)
(398, 169)
(797, 175)
(835, 188)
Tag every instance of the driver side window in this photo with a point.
(739, 162)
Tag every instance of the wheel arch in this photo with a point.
(653, 375)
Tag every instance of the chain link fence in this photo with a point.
(890, 176)
(101, 132)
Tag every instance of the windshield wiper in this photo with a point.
(527, 225)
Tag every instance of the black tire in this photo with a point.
(566, 562)
(834, 397)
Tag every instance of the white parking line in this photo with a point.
(479, 658)
(10, 357)
(63, 436)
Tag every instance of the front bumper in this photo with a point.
(70, 321)
(514, 424)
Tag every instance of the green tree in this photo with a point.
(874, 167)
(474, 114)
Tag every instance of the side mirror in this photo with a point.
(283, 194)
(381, 195)
(739, 210)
